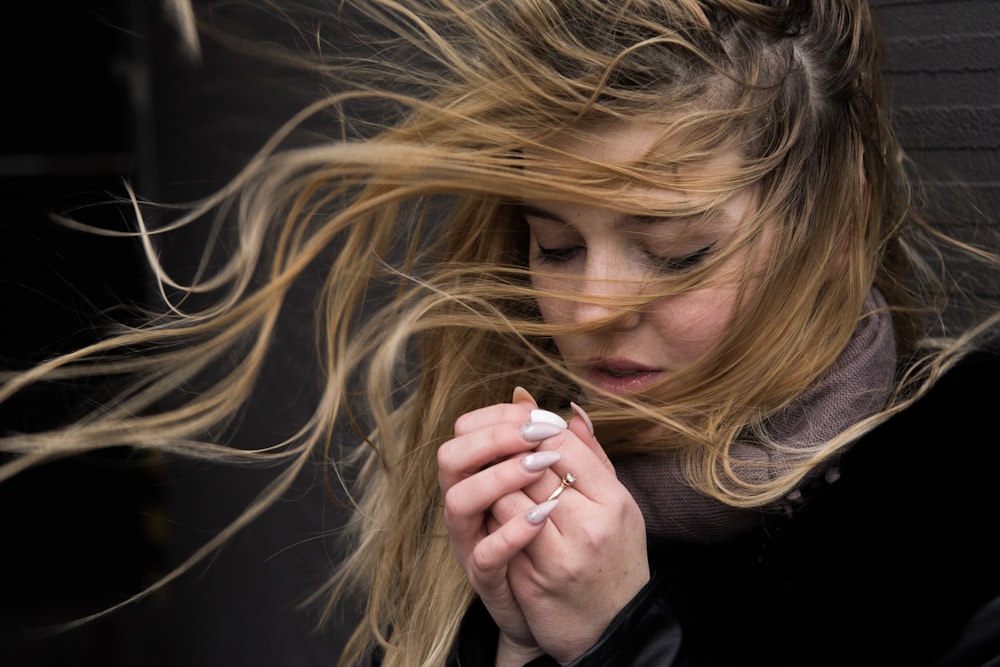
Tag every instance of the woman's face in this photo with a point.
(603, 253)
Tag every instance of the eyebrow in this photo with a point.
(620, 220)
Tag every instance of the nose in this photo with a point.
(608, 290)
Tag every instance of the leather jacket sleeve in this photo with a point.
(645, 633)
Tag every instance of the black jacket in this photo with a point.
(896, 563)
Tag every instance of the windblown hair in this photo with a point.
(428, 310)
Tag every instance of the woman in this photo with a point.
(681, 226)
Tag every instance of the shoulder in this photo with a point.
(963, 401)
(934, 455)
(883, 566)
(934, 461)
(902, 545)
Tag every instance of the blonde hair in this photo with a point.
(427, 310)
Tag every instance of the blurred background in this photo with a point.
(100, 91)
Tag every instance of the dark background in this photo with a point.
(97, 91)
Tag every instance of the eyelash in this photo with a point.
(685, 263)
(556, 255)
(664, 264)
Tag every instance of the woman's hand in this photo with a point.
(554, 584)
(590, 558)
(490, 457)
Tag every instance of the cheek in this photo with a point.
(554, 311)
(697, 320)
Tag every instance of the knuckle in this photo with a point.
(504, 508)
(462, 424)
(443, 456)
(483, 559)
(452, 506)
(493, 437)
(596, 534)
(534, 585)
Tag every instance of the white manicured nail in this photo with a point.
(541, 512)
(538, 431)
(539, 460)
(548, 418)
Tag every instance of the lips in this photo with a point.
(622, 376)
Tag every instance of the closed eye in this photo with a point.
(683, 263)
(556, 255)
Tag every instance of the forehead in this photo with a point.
(608, 143)
(624, 142)
(655, 168)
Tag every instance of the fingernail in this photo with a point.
(539, 460)
(582, 414)
(536, 431)
(521, 395)
(541, 512)
(548, 418)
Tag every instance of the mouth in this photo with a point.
(619, 373)
(621, 376)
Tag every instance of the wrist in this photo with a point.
(512, 654)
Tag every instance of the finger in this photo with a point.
(497, 549)
(504, 412)
(492, 414)
(581, 457)
(507, 507)
(521, 395)
(583, 428)
(466, 503)
(492, 524)
(475, 494)
(560, 485)
(466, 455)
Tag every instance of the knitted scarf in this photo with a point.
(855, 386)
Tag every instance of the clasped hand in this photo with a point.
(553, 574)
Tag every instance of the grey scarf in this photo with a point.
(856, 386)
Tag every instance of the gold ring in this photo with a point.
(567, 481)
